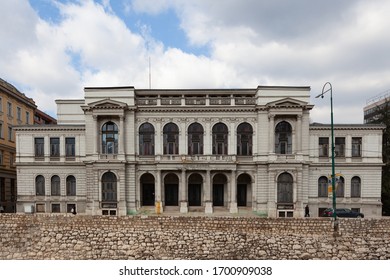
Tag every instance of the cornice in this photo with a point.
(50, 128)
(196, 109)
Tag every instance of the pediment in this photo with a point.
(106, 104)
(287, 102)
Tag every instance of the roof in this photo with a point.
(348, 126)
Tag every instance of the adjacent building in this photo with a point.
(15, 109)
(41, 117)
(122, 150)
(375, 107)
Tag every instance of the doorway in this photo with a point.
(218, 194)
(147, 190)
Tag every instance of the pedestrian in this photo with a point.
(307, 211)
(73, 210)
(1, 209)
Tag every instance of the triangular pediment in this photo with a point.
(287, 102)
(107, 103)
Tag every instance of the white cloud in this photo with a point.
(251, 42)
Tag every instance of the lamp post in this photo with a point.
(335, 225)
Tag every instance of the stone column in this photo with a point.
(62, 148)
(158, 194)
(232, 141)
(96, 134)
(233, 193)
(158, 141)
(207, 194)
(182, 138)
(183, 193)
(271, 131)
(208, 141)
(121, 143)
(298, 146)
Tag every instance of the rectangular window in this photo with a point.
(70, 150)
(339, 148)
(1, 131)
(11, 159)
(10, 134)
(27, 117)
(55, 208)
(356, 146)
(39, 147)
(19, 113)
(323, 146)
(70, 208)
(40, 208)
(54, 147)
(9, 109)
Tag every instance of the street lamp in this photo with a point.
(335, 225)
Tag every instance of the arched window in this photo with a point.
(55, 186)
(283, 136)
(244, 139)
(109, 192)
(220, 139)
(285, 188)
(171, 139)
(340, 187)
(323, 187)
(110, 138)
(146, 139)
(70, 185)
(40, 185)
(195, 139)
(355, 187)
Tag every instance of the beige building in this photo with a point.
(15, 109)
(121, 150)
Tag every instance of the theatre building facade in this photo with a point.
(121, 151)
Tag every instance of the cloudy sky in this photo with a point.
(52, 49)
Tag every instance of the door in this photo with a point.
(194, 194)
(218, 194)
(171, 195)
(241, 194)
(148, 194)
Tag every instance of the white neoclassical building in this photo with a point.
(120, 151)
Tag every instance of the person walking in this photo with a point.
(307, 211)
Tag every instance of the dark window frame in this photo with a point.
(195, 139)
(40, 185)
(244, 139)
(171, 139)
(55, 185)
(220, 138)
(110, 135)
(39, 146)
(146, 139)
(283, 138)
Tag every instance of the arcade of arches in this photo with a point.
(195, 190)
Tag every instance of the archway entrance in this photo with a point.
(195, 182)
(171, 190)
(243, 190)
(285, 198)
(147, 190)
(219, 183)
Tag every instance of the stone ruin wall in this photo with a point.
(67, 237)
